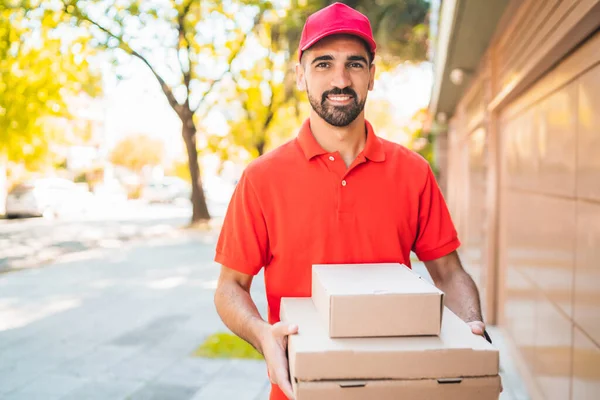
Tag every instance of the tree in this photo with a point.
(36, 84)
(400, 27)
(262, 94)
(138, 151)
(188, 45)
(422, 138)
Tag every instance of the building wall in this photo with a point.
(524, 190)
(467, 186)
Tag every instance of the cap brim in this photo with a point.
(354, 32)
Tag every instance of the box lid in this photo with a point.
(313, 355)
(380, 279)
(371, 300)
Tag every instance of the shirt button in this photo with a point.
(331, 158)
(344, 182)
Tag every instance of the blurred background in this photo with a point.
(167, 101)
(125, 124)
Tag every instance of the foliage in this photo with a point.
(399, 26)
(261, 94)
(190, 46)
(179, 169)
(36, 85)
(422, 138)
(92, 177)
(226, 345)
(138, 151)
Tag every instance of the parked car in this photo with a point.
(110, 192)
(47, 197)
(170, 189)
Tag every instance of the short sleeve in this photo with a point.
(243, 241)
(436, 234)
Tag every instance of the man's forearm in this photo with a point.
(238, 311)
(462, 296)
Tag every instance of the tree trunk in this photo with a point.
(260, 147)
(199, 208)
(3, 183)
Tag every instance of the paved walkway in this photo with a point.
(122, 325)
(119, 326)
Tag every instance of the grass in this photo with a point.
(226, 345)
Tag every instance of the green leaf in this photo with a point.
(226, 345)
(38, 75)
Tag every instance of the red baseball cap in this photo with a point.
(336, 19)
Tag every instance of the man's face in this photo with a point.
(337, 75)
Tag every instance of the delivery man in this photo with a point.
(336, 193)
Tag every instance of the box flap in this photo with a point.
(456, 352)
(484, 388)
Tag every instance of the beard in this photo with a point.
(338, 116)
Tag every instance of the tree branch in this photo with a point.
(271, 109)
(125, 47)
(187, 72)
(232, 58)
(245, 107)
(207, 111)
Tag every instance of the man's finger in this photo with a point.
(286, 388)
(283, 381)
(477, 327)
(283, 329)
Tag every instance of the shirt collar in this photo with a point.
(373, 150)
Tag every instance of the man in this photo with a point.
(335, 194)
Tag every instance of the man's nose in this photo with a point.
(340, 78)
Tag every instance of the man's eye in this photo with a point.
(356, 65)
(322, 65)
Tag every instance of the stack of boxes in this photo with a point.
(379, 331)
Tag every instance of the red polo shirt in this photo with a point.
(299, 205)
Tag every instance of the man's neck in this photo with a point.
(349, 140)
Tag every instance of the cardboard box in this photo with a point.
(485, 388)
(373, 300)
(454, 365)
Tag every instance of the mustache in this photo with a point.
(339, 92)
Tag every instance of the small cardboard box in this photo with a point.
(454, 365)
(372, 300)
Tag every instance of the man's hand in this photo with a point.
(273, 346)
(477, 327)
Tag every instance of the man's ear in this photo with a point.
(300, 81)
(372, 77)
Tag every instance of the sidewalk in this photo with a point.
(123, 326)
(120, 326)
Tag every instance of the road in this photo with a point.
(26, 243)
